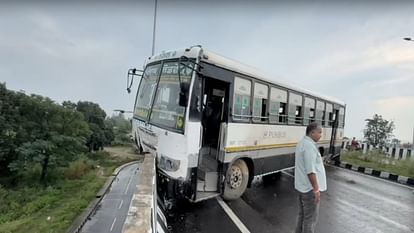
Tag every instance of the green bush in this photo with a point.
(379, 161)
(78, 169)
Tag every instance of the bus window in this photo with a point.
(260, 102)
(309, 113)
(277, 111)
(298, 115)
(329, 115)
(320, 112)
(341, 122)
(295, 109)
(241, 101)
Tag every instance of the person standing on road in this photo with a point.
(310, 179)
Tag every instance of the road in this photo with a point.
(354, 203)
(113, 209)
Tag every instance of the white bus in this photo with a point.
(214, 124)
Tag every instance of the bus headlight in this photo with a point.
(168, 164)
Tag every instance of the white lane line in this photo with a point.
(129, 182)
(232, 216)
(375, 214)
(120, 205)
(288, 174)
(113, 224)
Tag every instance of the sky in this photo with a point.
(351, 50)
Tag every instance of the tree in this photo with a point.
(57, 135)
(36, 130)
(121, 129)
(94, 115)
(378, 130)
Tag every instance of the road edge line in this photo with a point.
(232, 216)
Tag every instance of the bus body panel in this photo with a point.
(269, 146)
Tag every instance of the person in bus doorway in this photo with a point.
(310, 179)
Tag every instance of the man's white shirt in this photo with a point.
(308, 160)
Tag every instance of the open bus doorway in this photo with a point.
(215, 105)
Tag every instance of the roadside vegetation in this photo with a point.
(379, 161)
(52, 161)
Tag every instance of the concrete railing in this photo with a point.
(143, 208)
(395, 152)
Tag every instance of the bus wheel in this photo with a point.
(237, 177)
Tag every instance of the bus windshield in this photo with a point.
(165, 111)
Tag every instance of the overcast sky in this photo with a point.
(350, 50)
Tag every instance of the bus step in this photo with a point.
(209, 183)
(201, 196)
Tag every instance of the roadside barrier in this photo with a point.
(144, 215)
(382, 174)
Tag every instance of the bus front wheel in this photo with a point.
(237, 177)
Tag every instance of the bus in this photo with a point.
(214, 124)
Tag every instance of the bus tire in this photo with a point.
(235, 183)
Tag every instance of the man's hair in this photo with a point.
(312, 126)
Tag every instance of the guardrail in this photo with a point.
(142, 213)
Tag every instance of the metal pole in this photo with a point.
(153, 30)
(412, 145)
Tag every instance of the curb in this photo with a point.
(381, 174)
(85, 215)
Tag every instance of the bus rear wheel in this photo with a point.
(237, 177)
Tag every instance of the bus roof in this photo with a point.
(227, 63)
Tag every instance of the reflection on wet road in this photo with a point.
(113, 209)
(353, 203)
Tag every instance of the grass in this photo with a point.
(378, 161)
(33, 208)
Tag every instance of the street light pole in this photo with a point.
(153, 30)
(410, 39)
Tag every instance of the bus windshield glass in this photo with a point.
(146, 91)
(158, 100)
(166, 111)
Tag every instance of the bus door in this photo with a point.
(214, 114)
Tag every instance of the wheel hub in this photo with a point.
(236, 177)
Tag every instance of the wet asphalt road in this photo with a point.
(354, 203)
(113, 209)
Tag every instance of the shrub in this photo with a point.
(78, 168)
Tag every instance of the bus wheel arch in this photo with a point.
(250, 166)
(236, 179)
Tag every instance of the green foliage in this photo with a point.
(121, 129)
(36, 130)
(77, 169)
(95, 117)
(378, 130)
(379, 161)
(52, 209)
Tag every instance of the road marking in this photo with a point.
(372, 177)
(232, 216)
(372, 195)
(113, 224)
(288, 174)
(120, 205)
(129, 182)
(375, 214)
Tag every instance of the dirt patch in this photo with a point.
(124, 152)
